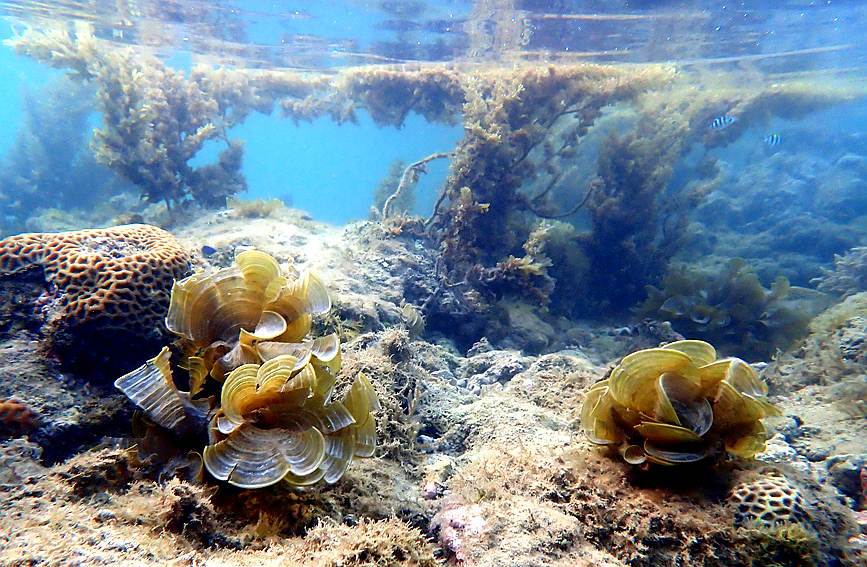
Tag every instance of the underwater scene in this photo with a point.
(414, 283)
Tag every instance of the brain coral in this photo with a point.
(771, 500)
(107, 290)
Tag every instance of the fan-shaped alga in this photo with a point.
(246, 326)
(678, 404)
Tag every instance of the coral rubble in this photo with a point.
(97, 498)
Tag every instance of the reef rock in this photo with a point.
(60, 413)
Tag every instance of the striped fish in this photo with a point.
(721, 122)
(773, 140)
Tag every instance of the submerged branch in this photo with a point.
(410, 175)
(593, 185)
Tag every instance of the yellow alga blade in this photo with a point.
(240, 385)
(666, 433)
(365, 437)
(258, 269)
(700, 352)
(303, 451)
(249, 457)
(637, 386)
(339, 451)
(151, 387)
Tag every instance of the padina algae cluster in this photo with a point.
(274, 419)
(678, 404)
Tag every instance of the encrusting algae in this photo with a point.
(677, 404)
(245, 326)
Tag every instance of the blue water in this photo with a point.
(321, 167)
(21, 76)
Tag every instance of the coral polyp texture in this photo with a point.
(275, 419)
(678, 404)
(106, 290)
(770, 501)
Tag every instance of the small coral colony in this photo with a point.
(244, 328)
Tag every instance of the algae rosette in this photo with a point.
(678, 404)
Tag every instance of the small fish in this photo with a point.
(773, 140)
(208, 250)
(721, 122)
(414, 320)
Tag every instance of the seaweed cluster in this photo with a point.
(730, 308)
(154, 119)
(849, 275)
(389, 95)
(678, 404)
(507, 119)
(49, 163)
(634, 229)
(245, 327)
(525, 156)
(525, 277)
(538, 144)
(254, 208)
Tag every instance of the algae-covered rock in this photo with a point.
(849, 275)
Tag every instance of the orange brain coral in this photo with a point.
(99, 280)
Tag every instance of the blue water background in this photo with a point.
(326, 169)
(332, 170)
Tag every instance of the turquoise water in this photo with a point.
(322, 167)
(308, 165)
